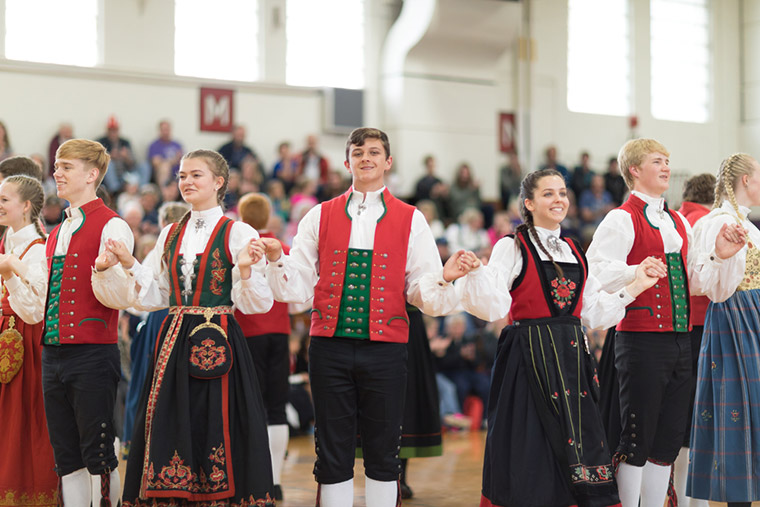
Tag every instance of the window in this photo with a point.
(325, 46)
(680, 53)
(598, 57)
(217, 40)
(52, 31)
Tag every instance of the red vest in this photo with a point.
(693, 212)
(388, 320)
(652, 311)
(82, 318)
(529, 297)
(276, 320)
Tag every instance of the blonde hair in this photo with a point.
(632, 154)
(731, 169)
(92, 153)
(30, 189)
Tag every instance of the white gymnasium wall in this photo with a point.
(694, 147)
(450, 102)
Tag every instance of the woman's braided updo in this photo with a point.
(527, 191)
(30, 189)
(731, 170)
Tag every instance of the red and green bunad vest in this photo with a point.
(361, 293)
(665, 306)
(73, 315)
(212, 270)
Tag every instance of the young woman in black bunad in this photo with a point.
(545, 445)
(200, 434)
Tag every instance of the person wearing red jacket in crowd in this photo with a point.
(698, 196)
(267, 337)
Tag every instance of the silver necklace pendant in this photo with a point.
(362, 208)
(554, 244)
(199, 224)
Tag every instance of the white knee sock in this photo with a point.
(654, 484)
(76, 488)
(380, 493)
(115, 491)
(680, 474)
(336, 495)
(278, 444)
(629, 484)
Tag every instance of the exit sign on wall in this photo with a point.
(217, 109)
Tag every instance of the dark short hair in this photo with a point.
(699, 189)
(360, 135)
(20, 165)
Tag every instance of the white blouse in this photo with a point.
(485, 291)
(249, 296)
(27, 294)
(718, 280)
(294, 276)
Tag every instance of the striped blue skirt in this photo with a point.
(724, 464)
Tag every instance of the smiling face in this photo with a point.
(367, 164)
(198, 185)
(549, 204)
(14, 211)
(652, 176)
(74, 180)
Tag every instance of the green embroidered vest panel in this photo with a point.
(678, 294)
(353, 315)
(212, 271)
(52, 336)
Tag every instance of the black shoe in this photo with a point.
(406, 491)
(277, 492)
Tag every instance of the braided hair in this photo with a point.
(731, 169)
(30, 189)
(218, 166)
(527, 191)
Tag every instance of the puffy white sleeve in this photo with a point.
(252, 295)
(425, 287)
(608, 253)
(293, 277)
(485, 290)
(716, 278)
(27, 294)
(601, 309)
(113, 287)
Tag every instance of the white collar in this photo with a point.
(726, 206)
(656, 202)
(208, 215)
(23, 235)
(366, 197)
(548, 232)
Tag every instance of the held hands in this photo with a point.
(272, 247)
(115, 252)
(459, 264)
(648, 272)
(251, 255)
(730, 240)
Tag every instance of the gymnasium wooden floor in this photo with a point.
(449, 480)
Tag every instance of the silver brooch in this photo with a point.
(199, 224)
(554, 244)
(362, 207)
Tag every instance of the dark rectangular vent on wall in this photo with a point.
(344, 110)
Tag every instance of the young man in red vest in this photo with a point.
(361, 257)
(652, 343)
(80, 357)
